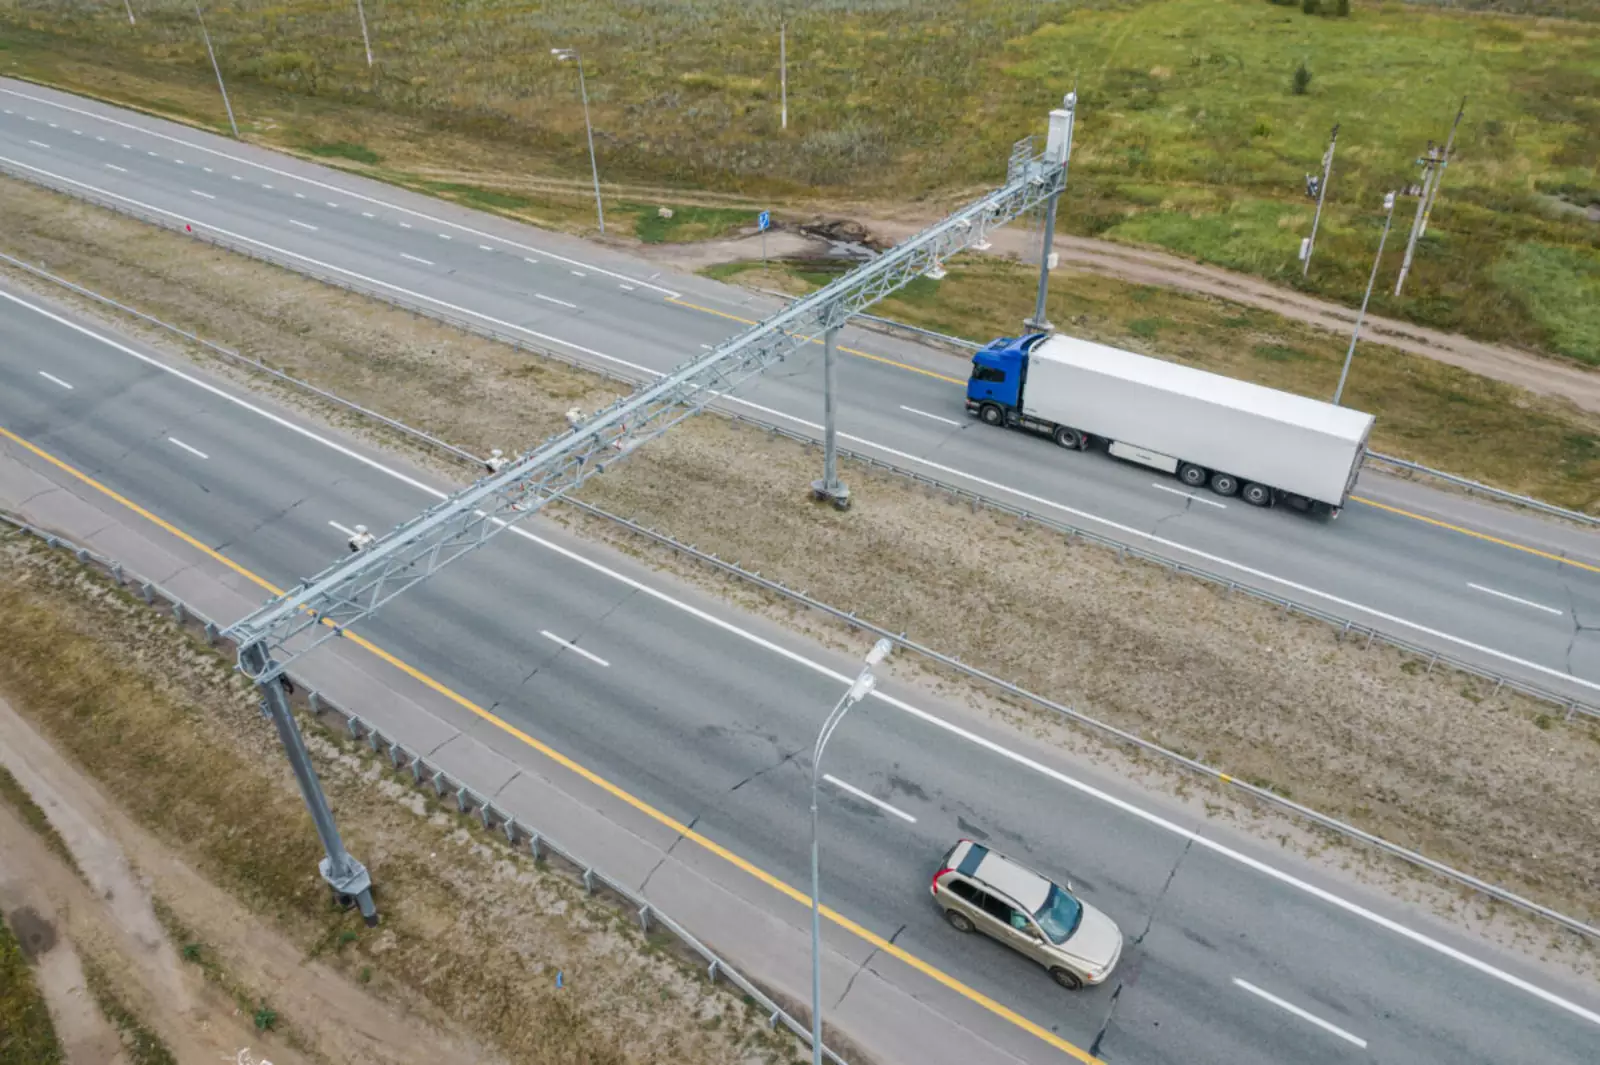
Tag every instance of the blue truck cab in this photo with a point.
(999, 372)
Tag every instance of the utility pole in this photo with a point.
(347, 877)
(564, 54)
(830, 488)
(1322, 194)
(783, 70)
(1069, 106)
(1443, 163)
(1388, 204)
(212, 53)
(1429, 164)
(365, 40)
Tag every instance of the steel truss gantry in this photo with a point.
(271, 638)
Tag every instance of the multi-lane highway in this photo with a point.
(1514, 597)
(1237, 953)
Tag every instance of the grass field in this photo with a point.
(1190, 137)
(1428, 412)
(26, 1035)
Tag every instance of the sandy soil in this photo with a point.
(1431, 761)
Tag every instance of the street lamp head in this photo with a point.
(862, 687)
(879, 652)
(1388, 202)
(564, 54)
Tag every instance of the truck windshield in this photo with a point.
(1059, 916)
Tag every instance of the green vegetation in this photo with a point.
(143, 1046)
(1427, 411)
(1196, 127)
(26, 1035)
(688, 223)
(1560, 288)
(13, 794)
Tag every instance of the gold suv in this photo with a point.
(981, 890)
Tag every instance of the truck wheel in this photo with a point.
(1257, 495)
(1070, 439)
(990, 414)
(1225, 484)
(1191, 475)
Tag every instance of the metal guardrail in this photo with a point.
(467, 801)
(1569, 705)
(1346, 628)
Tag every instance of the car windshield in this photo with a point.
(1059, 916)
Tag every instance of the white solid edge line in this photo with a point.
(858, 793)
(552, 299)
(335, 188)
(339, 269)
(925, 414)
(569, 645)
(1304, 1015)
(1288, 879)
(341, 528)
(53, 379)
(1515, 599)
(186, 447)
(1128, 530)
(1186, 495)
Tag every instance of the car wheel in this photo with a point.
(1225, 484)
(1191, 475)
(1067, 979)
(991, 414)
(959, 921)
(1070, 439)
(1257, 495)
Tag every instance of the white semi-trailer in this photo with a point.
(1240, 438)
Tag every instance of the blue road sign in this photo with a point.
(764, 221)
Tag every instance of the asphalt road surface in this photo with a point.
(1237, 953)
(1520, 597)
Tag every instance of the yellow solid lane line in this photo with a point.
(1478, 535)
(877, 941)
(850, 351)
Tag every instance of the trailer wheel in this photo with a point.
(1225, 484)
(1070, 439)
(991, 414)
(1191, 475)
(1257, 495)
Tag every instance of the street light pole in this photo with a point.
(860, 689)
(129, 5)
(212, 53)
(1388, 205)
(1322, 194)
(565, 54)
(783, 70)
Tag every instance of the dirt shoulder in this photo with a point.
(194, 901)
(1483, 781)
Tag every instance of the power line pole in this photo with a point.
(1388, 204)
(1429, 164)
(212, 53)
(783, 69)
(564, 54)
(1069, 106)
(365, 40)
(1443, 163)
(1322, 194)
